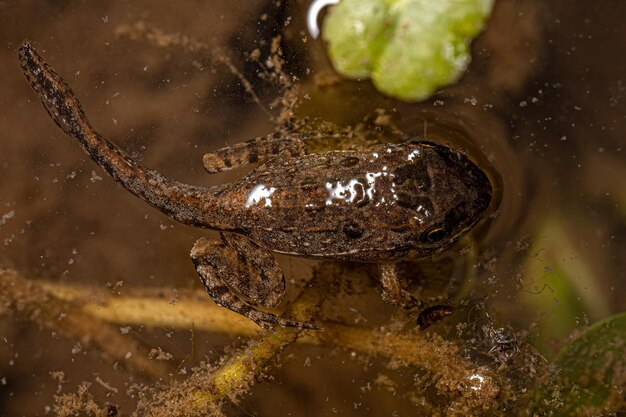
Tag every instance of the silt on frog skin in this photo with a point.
(379, 205)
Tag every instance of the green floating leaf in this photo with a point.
(409, 48)
(591, 373)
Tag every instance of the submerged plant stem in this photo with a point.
(208, 385)
(28, 300)
(143, 31)
(456, 377)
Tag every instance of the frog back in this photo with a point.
(386, 202)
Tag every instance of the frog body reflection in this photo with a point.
(380, 205)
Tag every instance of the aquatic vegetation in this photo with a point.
(409, 48)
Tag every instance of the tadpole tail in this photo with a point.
(184, 203)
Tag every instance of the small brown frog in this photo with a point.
(380, 205)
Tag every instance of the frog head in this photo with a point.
(445, 192)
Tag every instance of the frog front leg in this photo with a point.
(258, 150)
(236, 265)
(392, 291)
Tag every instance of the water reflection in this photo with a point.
(260, 195)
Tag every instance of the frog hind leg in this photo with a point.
(258, 150)
(392, 290)
(222, 268)
(259, 277)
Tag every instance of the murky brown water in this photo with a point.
(541, 108)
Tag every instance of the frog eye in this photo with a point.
(436, 234)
